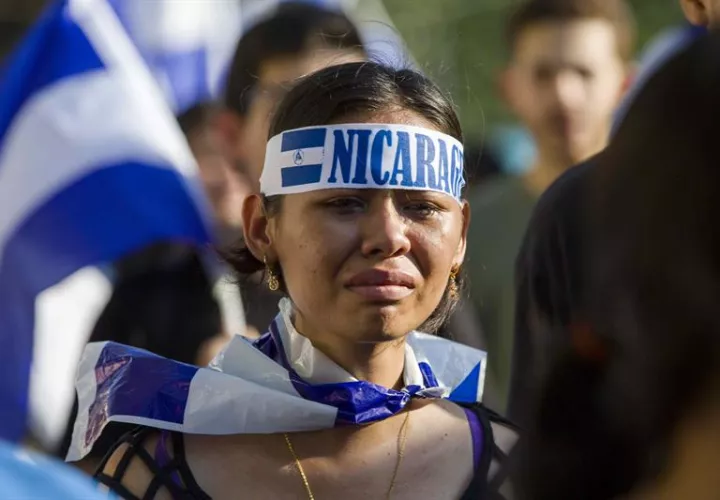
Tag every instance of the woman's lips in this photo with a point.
(382, 284)
(382, 292)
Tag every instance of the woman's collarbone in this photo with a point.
(355, 463)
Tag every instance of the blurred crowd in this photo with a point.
(591, 273)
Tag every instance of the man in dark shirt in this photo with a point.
(549, 272)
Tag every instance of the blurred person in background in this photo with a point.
(630, 407)
(550, 268)
(226, 187)
(296, 39)
(569, 66)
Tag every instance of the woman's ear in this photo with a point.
(462, 246)
(255, 226)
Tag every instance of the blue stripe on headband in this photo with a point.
(303, 139)
(363, 156)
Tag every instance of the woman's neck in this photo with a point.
(380, 363)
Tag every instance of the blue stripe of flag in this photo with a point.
(303, 139)
(301, 175)
(68, 232)
(152, 387)
(55, 49)
(76, 228)
(428, 376)
(467, 391)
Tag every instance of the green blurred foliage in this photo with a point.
(460, 43)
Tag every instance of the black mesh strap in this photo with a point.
(162, 476)
(114, 481)
(184, 470)
(481, 486)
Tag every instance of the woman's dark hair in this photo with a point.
(649, 356)
(292, 29)
(352, 89)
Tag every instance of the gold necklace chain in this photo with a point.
(402, 440)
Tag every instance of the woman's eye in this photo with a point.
(422, 209)
(346, 205)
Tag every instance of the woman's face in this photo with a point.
(368, 265)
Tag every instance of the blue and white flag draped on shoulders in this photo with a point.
(279, 383)
(92, 166)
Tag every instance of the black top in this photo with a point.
(177, 478)
(549, 277)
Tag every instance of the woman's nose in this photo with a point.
(384, 230)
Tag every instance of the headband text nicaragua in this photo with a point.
(363, 156)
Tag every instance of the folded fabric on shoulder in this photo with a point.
(279, 383)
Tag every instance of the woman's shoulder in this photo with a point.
(503, 433)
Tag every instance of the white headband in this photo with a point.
(363, 156)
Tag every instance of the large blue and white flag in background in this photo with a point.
(189, 44)
(186, 44)
(92, 166)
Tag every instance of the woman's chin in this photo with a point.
(382, 325)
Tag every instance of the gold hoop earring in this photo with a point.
(272, 279)
(453, 290)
